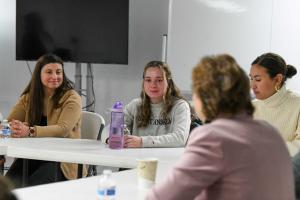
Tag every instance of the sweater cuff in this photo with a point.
(147, 141)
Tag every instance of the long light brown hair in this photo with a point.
(172, 95)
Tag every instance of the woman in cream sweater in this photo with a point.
(274, 103)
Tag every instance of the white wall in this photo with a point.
(148, 22)
(242, 28)
(285, 35)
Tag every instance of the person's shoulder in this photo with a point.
(222, 128)
(71, 92)
(259, 125)
(262, 123)
(24, 97)
(134, 102)
(268, 130)
(294, 95)
(71, 95)
(205, 132)
(181, 103)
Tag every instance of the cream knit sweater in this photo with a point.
(282, 110)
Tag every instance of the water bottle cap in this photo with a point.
(118, 106)
(5, 122)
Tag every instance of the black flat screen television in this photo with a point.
(82, 31)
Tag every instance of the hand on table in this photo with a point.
(19, 129)
(131, 141)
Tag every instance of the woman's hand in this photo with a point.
(19, 129)
(131, 141)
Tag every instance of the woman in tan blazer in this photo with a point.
(48, 107)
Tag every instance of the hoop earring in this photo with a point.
(277, 88)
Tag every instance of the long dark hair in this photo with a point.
(172, 95)
(35, 90)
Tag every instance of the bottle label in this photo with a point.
(6, 132)
(109, 193)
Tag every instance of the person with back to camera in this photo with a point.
(232, 156)
(274, 103)
(48, 107)
(5, 189)
(160, 117)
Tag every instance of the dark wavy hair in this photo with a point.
(35, 91)
(275, 64)
(172, 95)
(222, 86)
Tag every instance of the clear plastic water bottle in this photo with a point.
(5, 129)
(106, 187)
(116, 131)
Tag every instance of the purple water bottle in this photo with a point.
(116, 131)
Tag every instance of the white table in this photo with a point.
(85, 188)
(86, 152)
(82, 151)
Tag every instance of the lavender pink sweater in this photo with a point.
(229, 159)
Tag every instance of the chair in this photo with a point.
(105, 134)
(92, 125)
(195, 122)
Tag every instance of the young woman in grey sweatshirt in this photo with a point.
(161, 117)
